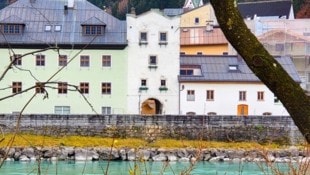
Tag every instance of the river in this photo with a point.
(125, 167)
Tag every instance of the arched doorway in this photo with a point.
(151, 106)
(243, 109)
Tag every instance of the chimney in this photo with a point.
(133, 11)
(70, 4)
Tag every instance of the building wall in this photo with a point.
(167, 67)
(204, 13)
(205, 50)
(95, 74)
(226, 99)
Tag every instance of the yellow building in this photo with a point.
(200, 33)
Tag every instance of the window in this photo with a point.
(182, 53)
(62, 88)
(12, 28)
(84, 61)
(190, 95)
(260, 95)
(39, 88)
(153, 60)
(162, 38)
(196, 20)
(143, 82)
(233, 67)
(17, 59)
(276, 100)
(48, 28)
(106, 110)
(308, 77)
(210, 95)
(57, 28)
(40, 60)
(93, 29)
(106, 88)
(16, 87)
(242, 95)
(62, 60)
(62, 110)
(106, 61)
(162, 82)
(199, 53)
(186, 71)
(84, 87)
(143, 37)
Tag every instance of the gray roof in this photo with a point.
(173, 11)
(277, 8)
(216, 69)
(37, 15)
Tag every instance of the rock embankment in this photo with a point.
(153, 154)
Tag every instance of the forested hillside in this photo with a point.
(119, 8)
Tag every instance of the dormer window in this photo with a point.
(12, 28)
(190, 70)
(93, 29)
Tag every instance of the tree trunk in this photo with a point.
(264, 66)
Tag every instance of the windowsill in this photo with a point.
(143, 88)
(163, 88)
(163, 43)
(143, 42)
(152, 66)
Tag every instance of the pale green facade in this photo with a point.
(73, 74)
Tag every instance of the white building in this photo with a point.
(153, 63)
(224, 85)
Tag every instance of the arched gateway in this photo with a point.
(151, 106)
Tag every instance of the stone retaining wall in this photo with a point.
(153, 154)
(221, 128)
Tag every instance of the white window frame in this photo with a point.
(62, 110)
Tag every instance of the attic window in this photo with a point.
(48, 28)
(93, 29)
(57, 28)
(12, 28)
(233, 67)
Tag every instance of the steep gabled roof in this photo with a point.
(38, 14)
(277, 8)
(216, 69)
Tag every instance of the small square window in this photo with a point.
(84, 87)
(163, 37)
(162, 82)
(106, 88)
(62, 88)
(143, 82)
(48, 28)
(57, 28)
(84, 61)
(39, 88)
(40, 60)
(153, 60)
(17, 59)
(106, 61)
(106, 110)
(16, 87)
(62, 60)
(196, 20)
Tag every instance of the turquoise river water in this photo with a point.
(124, 168)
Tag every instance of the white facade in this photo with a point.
(226, 99)
(153, 61)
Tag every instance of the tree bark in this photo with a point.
(264, 66)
